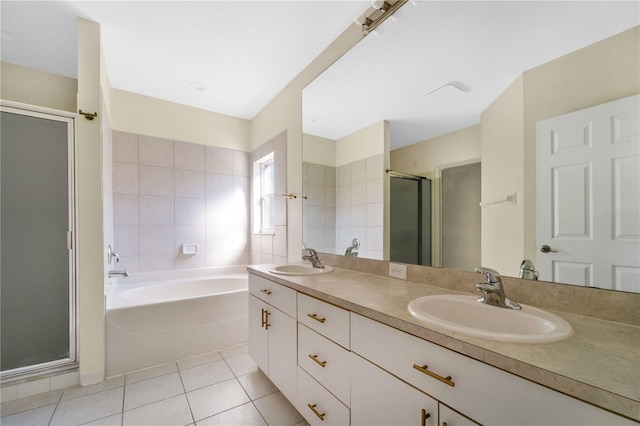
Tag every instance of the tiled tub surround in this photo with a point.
(218, 388)
(599, 364)
(168, 193)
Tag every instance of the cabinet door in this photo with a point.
(258, 334)
(282, 351)
(378, 398)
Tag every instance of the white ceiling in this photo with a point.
(483, 46)
(243, 52)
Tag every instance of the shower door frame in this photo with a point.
(70, 362)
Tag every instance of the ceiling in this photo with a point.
(242, 53)
(480, 46)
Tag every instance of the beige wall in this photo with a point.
(318, 150)
(33, 87)
(89, 205)
(143, 115)
(502, 175)
(363, 143)
(448, 150)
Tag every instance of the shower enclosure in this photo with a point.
(37, 268)
(410, 220)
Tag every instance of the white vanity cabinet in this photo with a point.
(324, 387)
(483, 393)
(272, 332)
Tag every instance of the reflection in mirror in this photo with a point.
(449, 86)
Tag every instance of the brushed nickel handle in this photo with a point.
(424, 369)
(315, 358)
(263, 320)
(315, 317)
(265, 291)
(316, 412)
(424, 416)
(546, 249)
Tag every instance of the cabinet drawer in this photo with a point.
(327, 362)
(273, 293)
(317, 405)
(328, 320)
(521, 401)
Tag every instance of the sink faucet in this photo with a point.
(313, 258)
(115, 273)
(492, 291)
(355, 244)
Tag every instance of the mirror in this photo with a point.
(446, 87)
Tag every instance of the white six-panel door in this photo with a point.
(588, 196)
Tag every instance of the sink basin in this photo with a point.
(300, 270)
(463, 314)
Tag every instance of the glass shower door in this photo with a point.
(37, 263)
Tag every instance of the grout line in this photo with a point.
(193, 419)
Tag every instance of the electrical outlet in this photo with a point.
(398, 271)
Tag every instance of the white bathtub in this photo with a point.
(154, 318)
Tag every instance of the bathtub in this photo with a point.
(158, 317)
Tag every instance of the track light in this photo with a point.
(377, 13)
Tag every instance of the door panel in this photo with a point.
(588, 198)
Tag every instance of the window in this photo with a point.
(264, 188)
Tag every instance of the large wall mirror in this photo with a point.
(422, 143)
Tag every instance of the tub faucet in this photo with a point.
(313, 258)
(355, 244)
(492, 290)
(115, 273)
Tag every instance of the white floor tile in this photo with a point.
(235, 350)
(152, 390)
(78, 391)
(205, 375)
(257, 385)
(29, 403)
(172, 411)
(242, 364)
(115, 420)
(199, 360)
(88, 408)
(244, 415)
(152, 372)
(214, 399)
(35, 417)
(277, 410)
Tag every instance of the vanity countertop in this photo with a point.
(599, 364)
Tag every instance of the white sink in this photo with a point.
(300, 270)
(463, 314)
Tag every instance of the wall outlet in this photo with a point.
(398, 271)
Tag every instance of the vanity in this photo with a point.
(344, 349)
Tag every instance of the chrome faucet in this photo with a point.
(355, 244)
(115, 273)
(492, 290)
(313, 258)
(528, 270)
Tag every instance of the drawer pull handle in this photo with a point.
(316, 412)
(424, 369)
(315, 358)
(315, 317)
(423, 417)
(265, 291)
(265, 319)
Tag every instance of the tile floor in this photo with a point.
(219, 388)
